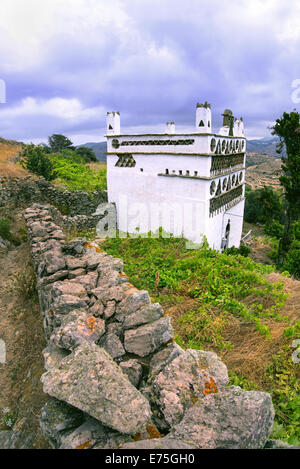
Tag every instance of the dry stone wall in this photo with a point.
(115, 375)
(22, 192)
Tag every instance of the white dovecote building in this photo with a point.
(189, 183)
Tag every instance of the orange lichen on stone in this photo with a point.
(153, 432)
(85, 445)
(203, 367)
(91, 246)
(137, 437)
(122, 274)
(210, 387)
(91, 323)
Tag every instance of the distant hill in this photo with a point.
(99, 149)
(264, 146)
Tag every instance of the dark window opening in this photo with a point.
(195, 173)
(167, 171)
(201, 124)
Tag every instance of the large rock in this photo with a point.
(90, 380)
(134, 299)
(68, 288)
(163, 358)
(92, 434)
(189, 377)
(112, 344)
(78, 327)
(144, 315)
(53, 355)
(146, 339)
(231, 419)
(58, 417)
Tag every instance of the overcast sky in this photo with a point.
(66, 62)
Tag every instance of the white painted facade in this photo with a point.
(190, 183)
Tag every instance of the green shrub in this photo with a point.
(36, 159)
(274, 228)
(77, 176)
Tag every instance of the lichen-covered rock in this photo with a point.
(134, 370)
(149, 313)
(146, 339)
(110, 309)
(230, 419)
(189, 377)
(112, 344)
(159, 443)
(163, 358)
(90, 380)
(78, 327)
(53, 355)
(58, 417)
(64, 304)
(68, 288)
(133, 300)
(92, 434)
(89, 280)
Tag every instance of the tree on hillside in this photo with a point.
(287, 128)
(35, 159)
(86, 153)
(58, 142)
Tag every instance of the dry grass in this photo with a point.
(252, 353)
(8, 168)
(97, 166)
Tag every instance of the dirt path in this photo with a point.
(21, 329)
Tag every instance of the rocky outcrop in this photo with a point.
(115, 375)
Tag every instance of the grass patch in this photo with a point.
(205, 292)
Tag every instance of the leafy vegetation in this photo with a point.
(66, 165)
(35, 159)
(206, 291)
(287, 128)
(219, 282)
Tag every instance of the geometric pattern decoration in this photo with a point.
(225, 201)
(222, 163)
(126, 161)
(189, 141)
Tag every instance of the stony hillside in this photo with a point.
(263, 170)
(9, 150)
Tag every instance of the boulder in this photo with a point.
(146, 339)
(149, 313)
(230, 419)
(189, 377)
(92, 434)
(53, 355)
(90, 380)
(163, 358)
(133, 300)
(58, 417)
(112, 344)
(76, 328)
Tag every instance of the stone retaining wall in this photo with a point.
(115, 375)
(25, 191)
